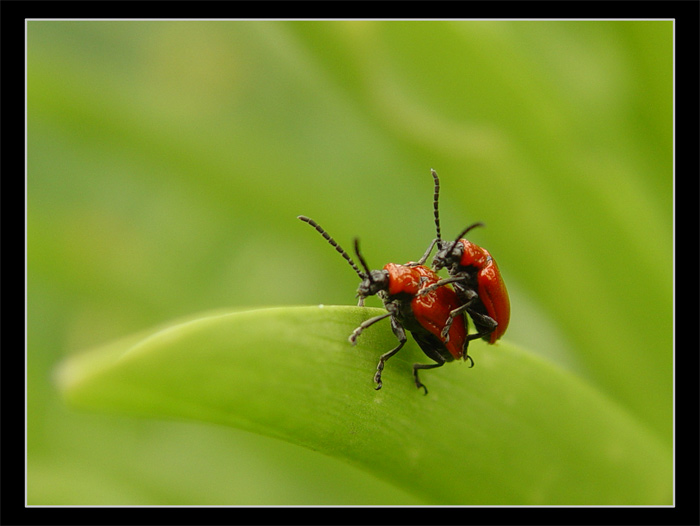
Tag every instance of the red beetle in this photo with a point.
(476, 279)
(424, 315)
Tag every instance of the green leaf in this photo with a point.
(513, 430)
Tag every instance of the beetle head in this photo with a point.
(373, 281)
(449, 253)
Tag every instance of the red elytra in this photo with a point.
(491, 287)
(431, 310)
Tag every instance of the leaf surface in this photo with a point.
(512, 430)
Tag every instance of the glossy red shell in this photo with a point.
(491, 287)
(432, 309)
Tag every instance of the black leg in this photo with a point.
(482, 319)
(417, 366)
(445, 333)
(440, 283)
(353, 337)
(479, 318)
(401, 335)
(421, 261)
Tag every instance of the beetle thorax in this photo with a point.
(473, 255)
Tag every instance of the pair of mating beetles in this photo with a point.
(418, 301)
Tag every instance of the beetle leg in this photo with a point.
(440, 283)
(482, 319)
(353, 337)
(445, 333)
(440, 362)
(424, 257)
(401, 335)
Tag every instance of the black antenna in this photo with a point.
(335, 245)
(465, 231)
(436, 211)
(362, 260)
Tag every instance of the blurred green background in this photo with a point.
(168, 160)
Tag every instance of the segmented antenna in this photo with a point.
(464, 232)
(335, 245)
(362, 260)
(436, 211)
